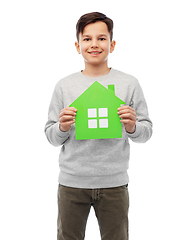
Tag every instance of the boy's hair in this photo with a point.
(92, 18)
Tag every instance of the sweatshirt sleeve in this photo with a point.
(143, 130)
(52, 131)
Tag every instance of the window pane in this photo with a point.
(92, 123)
(103, 123)
(92, 113)
(103, 112)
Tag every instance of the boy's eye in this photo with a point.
(102, 39)
(86, 39)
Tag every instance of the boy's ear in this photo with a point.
(112, 47)
(77, 47)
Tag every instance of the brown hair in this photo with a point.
(92, 18)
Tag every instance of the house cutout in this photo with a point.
(97, 116)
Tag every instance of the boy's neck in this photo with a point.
(95, 71)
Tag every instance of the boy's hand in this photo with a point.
(128, 118)
(67, 118)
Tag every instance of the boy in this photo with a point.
(93, 172)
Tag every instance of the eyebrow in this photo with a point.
(101, 35)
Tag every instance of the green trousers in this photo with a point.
(111, 208)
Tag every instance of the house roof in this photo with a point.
(98, 95)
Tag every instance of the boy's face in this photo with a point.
(95, 44)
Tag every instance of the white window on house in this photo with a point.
(103, 123)
(92, 113)
(100, 119)
(92, 123)
(103, 112)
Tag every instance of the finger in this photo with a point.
(128, 121)
(66, 118)
(128, 116)
(125, 109)
(71, 109)
(67, 112)
(66, 124)
(61, 113)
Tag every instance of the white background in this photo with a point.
(37, 50)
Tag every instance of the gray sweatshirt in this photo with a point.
(96, 163)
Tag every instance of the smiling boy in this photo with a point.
(94, 172)
(95, 44)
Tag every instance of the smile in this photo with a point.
(94, 53)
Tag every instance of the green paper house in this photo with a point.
(97, 116)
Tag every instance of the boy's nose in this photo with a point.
(94, 44)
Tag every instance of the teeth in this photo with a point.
(95, 52)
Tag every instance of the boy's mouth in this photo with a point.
(95, 53)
